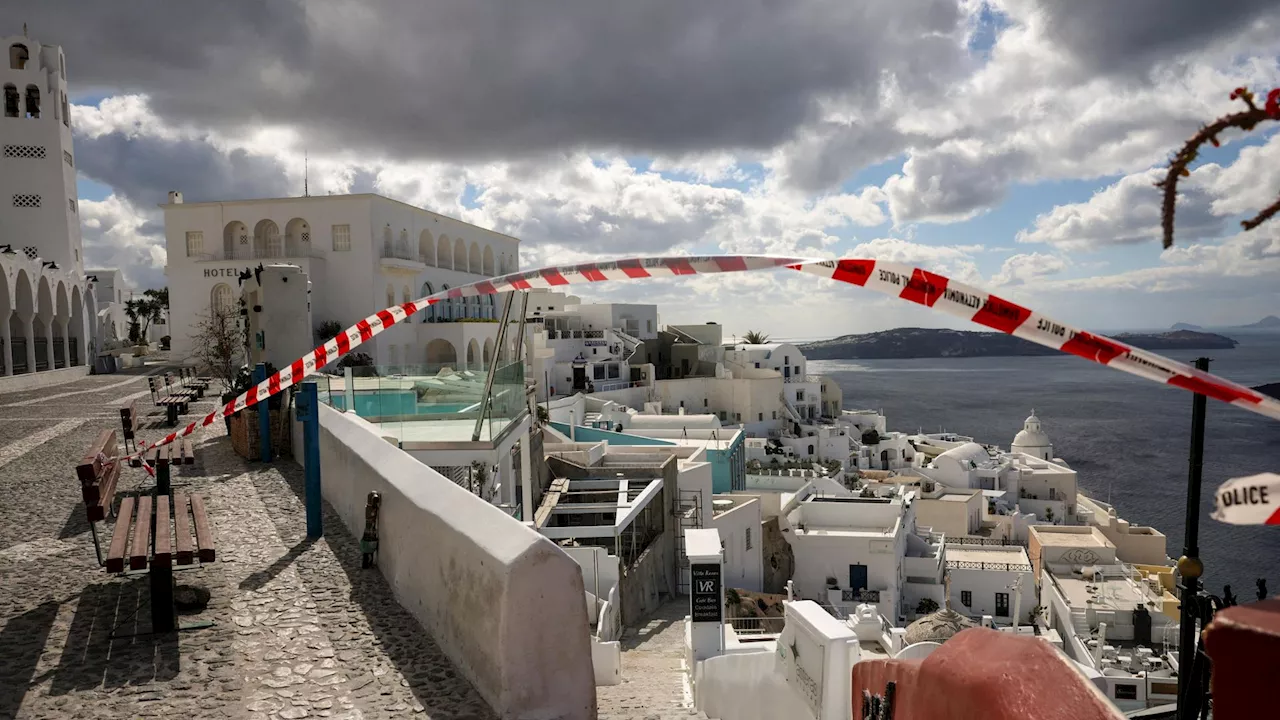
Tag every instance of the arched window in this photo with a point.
(402, 247)
(66, 111)
(33, 101)
(404, 293)
(220, 299)
(446, 305)
(18, 56)
(266, 240)
(391, 295)
(475, 264)
(11, 101)
(428, 315)
(487, 267)
(386, 242)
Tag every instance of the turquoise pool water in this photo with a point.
(394, 403)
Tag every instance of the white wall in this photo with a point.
(747, 686)
(473, 591)
(596, 561)
(742, 564)
(984, 584)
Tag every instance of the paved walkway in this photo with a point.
(653, 655)
(301, 630)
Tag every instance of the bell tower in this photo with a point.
(39, 213)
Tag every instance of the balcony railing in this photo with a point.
(999, 566)
(859, 596)
(245, 253)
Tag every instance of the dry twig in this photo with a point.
(1178, 166)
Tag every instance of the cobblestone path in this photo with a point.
(301, 631)
(653, 655)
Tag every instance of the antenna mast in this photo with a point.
(306, 172)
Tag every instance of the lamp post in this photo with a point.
(1190, 568)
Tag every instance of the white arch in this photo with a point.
(266, 240)
(475, 262)
(460, 261)
(444, 253)
(222, 299)
(441, 352)
(426, 248)
(235, 241)
(487, 263)
(297, 238)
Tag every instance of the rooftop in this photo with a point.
(1070, 536)
(1011, 554)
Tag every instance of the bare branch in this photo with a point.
(1178, 166)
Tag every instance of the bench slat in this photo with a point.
(141, 535)
(91, 466)
(204, 538)
(163, 555)
(120, 538)
(98, 503)
(188, 453)
(182, 528)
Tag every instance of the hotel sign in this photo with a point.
(704, 596)
(222, 272)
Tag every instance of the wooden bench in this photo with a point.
(154, 533)
(173, 404)
(187, 375)
(178, 452)
(129, 419)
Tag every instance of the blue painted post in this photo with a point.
(309, 411)
(264, 414)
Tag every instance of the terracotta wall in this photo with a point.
(983, 674)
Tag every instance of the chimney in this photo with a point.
(175, 197)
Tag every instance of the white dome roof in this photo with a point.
(1031, 435)
(1031, 438)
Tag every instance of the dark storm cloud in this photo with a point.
(145, 168)
(1129, 35)
(493, 78)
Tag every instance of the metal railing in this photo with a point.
(966, 540)
(1004, 567)
(860, 596)
(757, 625)
(400, 253)
(246, 253)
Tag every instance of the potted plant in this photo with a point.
(834, 596)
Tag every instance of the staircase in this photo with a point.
(630, 342)
(688, 511)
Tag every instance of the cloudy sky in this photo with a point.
(1009, 143)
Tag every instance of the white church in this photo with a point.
(47, 300)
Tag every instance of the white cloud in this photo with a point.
(1129, 210)
(1024, 268)
(118, 235)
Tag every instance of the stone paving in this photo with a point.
(301, 631)
(653, 686)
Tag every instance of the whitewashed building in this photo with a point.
(362, 253)
(47, 303)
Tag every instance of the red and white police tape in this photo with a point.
(888, 278)
(1253, 500)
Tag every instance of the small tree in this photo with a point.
(218, 344)
(144, 311)
(328, 330)
(755, 337)
(926, 606)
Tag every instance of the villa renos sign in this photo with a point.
(704, 592)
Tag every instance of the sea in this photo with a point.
(1128, 438)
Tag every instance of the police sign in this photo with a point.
(1253, 500)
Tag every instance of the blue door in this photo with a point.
(857, 577)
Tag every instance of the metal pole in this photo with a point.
(488, 380)
(264, 414)
(309, 408)
(1190, 568)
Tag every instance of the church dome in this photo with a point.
(937, 627)
(1031, 436)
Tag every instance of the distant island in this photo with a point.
(1272, 389)
(1270, 322)
(905, 343)
(1185, 326)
